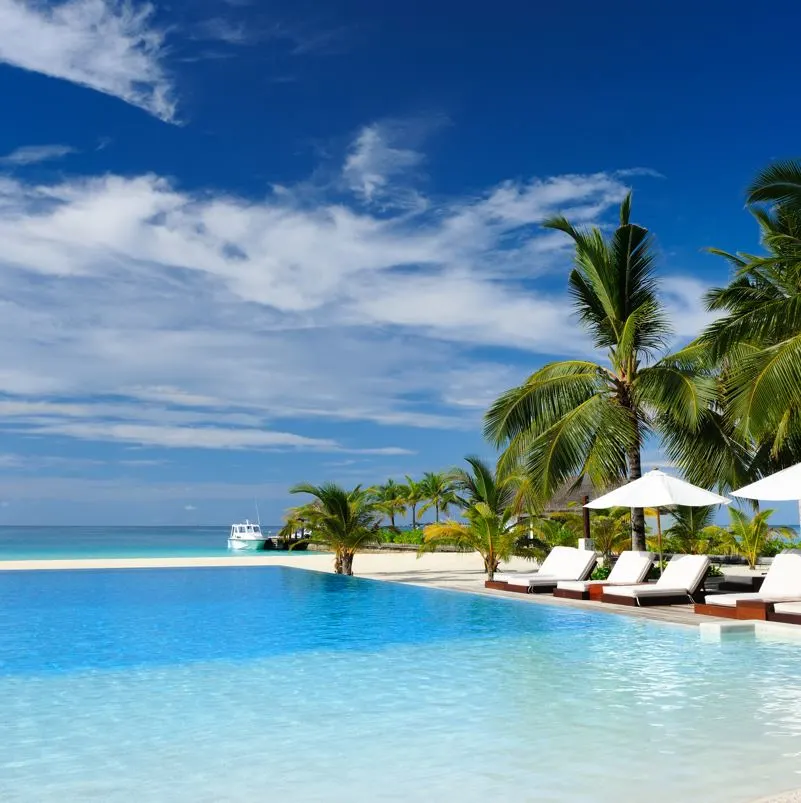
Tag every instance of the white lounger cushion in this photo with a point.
(682, 575)
(784, 577)
(648, 590)
(519, 579)
(787, 607)
(631, 568)
(573, 564)
(562, 563)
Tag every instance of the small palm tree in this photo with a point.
(391, 500)
(611, 532)
(749, 537)
(693, 531)
(415, 494)
(492, 527)
(438, 492)
(344, 521)
(546, 532)
(579, 417)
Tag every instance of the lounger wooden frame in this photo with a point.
(744, 609)
(784, 618)
(593, 592)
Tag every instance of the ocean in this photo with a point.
(48, 543)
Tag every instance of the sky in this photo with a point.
(248, 244)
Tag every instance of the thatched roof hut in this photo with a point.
(571, 495)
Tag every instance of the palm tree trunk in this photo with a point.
(637, 513)
(414, 516)
(392, 520)
(436, 506)
(347, 564)
(338, 562)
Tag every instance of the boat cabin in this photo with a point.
(245, 529)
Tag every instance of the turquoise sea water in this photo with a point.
(253, 684)
(43, 543)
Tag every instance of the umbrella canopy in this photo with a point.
(657, 489)
(783, 486)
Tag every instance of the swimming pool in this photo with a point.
(259, 683)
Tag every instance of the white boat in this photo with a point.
(247, 536)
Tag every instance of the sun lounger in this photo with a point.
(782, 584)
(631, 569)
(562, 563)
(681, 579)
(787, 612)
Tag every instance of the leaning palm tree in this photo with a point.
(438, 492)
(492, 527)
(391, 500)
(749, 537)
(344, 521)
(580, 417)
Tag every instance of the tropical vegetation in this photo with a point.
(748, 537)
(582, 417)
(693, 531)
(438, 492)
(725, 407)
(343, 521)
(491, 525)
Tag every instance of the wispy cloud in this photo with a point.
(376, 157)
(106, 45)
(33, 154)
(297, 39)
(138, 312)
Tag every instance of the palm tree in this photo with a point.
(344, 521)
(749, 537)
(438, 491)
(492, 527)
(693, 531)
(391, 500)
(756, 342)
(415, 494)
(579, 417)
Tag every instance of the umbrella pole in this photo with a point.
(659, 538)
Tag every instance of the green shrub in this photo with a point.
(601, 573)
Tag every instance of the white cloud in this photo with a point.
(137, 312)
(189, 507)
(106, 45)
(376, 157)
(33, 154)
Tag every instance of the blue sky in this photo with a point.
(248, 244)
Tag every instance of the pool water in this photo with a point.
(252, 684)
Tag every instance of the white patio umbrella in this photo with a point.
(783, 486)
(657, 489)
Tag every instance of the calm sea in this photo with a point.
(43, 543)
